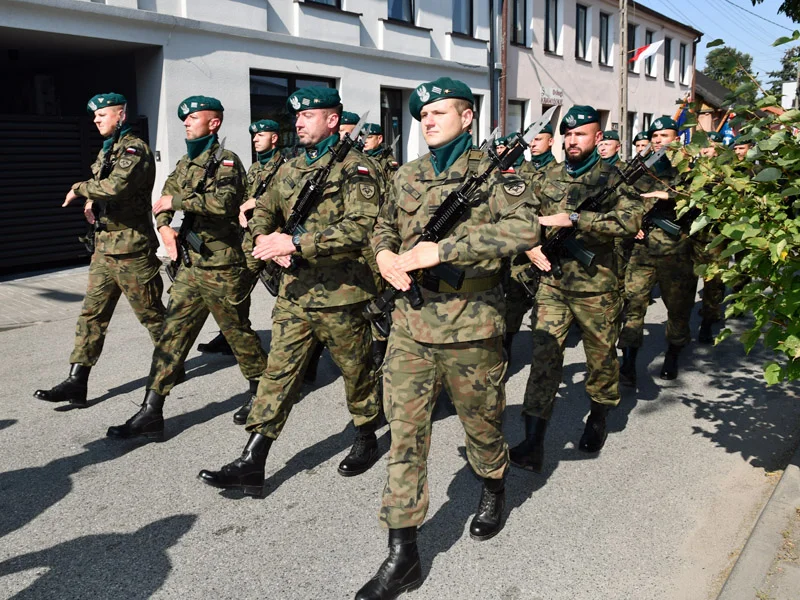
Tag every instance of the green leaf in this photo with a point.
(720, 42)
(699, 223)
(732, 249)
(772, 373)
(758, 242)
(768, 174)
(790, 191)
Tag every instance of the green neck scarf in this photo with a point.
(443, 157)
(109, 141)
(543, 159)
(314, 153)
(613, 160)
(264, 157)
(580, 169)
(374, 151)
(196, 147)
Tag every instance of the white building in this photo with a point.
(564, 52)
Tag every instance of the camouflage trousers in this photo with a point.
(675, 276)
(135, 275)
(597, 315)
(295, 330)
(472, 373)
(195, 293)
(713, 289)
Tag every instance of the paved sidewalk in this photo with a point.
(42, 297)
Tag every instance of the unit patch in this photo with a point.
(367, 190)
(514, 189)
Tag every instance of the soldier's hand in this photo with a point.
(538, 258)
(660, 194)
(639, 236)
(398, 279)
(170, 238)
(162, 204)
(283, 261)
(88, 213)
(422, 256)
(272, 245)
(559, 220)
(71, 195)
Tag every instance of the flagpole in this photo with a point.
(623, 77)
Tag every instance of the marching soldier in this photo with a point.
(456, 334)
(322, 298)
(207, 185)
(124, 259)
(382, 155)
(741, 146)
(640, 142)
(608, 148)
(588, 295)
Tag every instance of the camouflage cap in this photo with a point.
(264, 125)
(662, 123)
(611, 134)
(642, 135)
(313, 97)
(349, 118)
(194, 104)
(715, 136)
(105, 100)
(439, 89)
(373, 129)
(577, 116)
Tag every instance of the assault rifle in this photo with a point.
(563, 241)
(449, 213)
(487, 143)
(309, 197)
(186, 236)
(99, 207)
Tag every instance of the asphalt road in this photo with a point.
(661, 513)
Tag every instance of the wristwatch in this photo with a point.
(296, 242)
(574, 217)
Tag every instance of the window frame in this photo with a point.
(411, 12)
(650, 61)
(336, 3)
(668, 59)
(523, 32)
(682, 63)
(632, 29)
(551, 43)
(585, 9)
(605, 44)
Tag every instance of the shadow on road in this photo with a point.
(5, 423)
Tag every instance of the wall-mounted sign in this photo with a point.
(552, 96)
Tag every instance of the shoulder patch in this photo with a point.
(134, 151)
(289, 181)
(515, 188)
(394, 164)
(367, 190)
(124, 163)
(410, 190)
(228, 163)
(362, 170)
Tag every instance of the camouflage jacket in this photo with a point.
(331, 271)
(659, 242)
(216, 210)
(502, 224)
(256, 174)
(126, 197)
(619, 216)
(387, 163)
(532, 175)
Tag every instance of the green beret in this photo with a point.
(264, 125)
(195, 104)
(312, 97)
(440, 89)
(611, 134)
(578, 116)
(662, 123)
(349, 118)
(373, 129)
(642, 135)
(715, 136)
(547, 129)
(501, 141)
(105, 100)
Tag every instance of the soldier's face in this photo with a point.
(541, 144)
(441, 122)
(264, 141)
(640, 145)
(201, 123)
(581, 141)
(607, 148)
(741, 150)
(106, 119)
(663, 137)
(315, 125)
(373, 141)
(709, 151)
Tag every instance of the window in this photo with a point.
(336, 3)
(551, 26)
(668, 59)
(580, 31)
(682, 57)
(515, 117)
(520, 16)
(629, 132)
(462, 17)
(392, 108)
(476, 123)
(402, 10)
(631, 47)
(605, 39)
(647, 119)
(649, 63)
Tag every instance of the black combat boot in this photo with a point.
(704, 335)
(627, 371)
(594, 434)
(489, 519)
(149, 421)
(400, 572)
(507, 344)
(364, 452)
(670, 368)
(219, 345)
(240, 416)
(378, 352)
(310, 375)
(246, 472)
(73, 389)
(529, 454)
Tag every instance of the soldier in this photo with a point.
(382, 155)
(216, 281)
(659, 258)
(322, 298)
(608, 148)
(741, 146)
(588, 295)
(124, 259)
(640, 141)
(268, 159)
(456, 334)
(541, 148)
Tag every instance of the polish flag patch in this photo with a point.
(131, 151)
(362, 170)
(227, 163)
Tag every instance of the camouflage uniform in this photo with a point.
(661, 259)
(323, 297)
(217, 283)
(588, 295)
(124, 260)
(454, 336)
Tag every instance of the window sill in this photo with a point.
(585, 61)
(519, 45)
(650, 77)
(553, 54)
(668, 80)
(328, 8)
(605, 66)
(401, 23)
(466, 36)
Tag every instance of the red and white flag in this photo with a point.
(646, 51)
